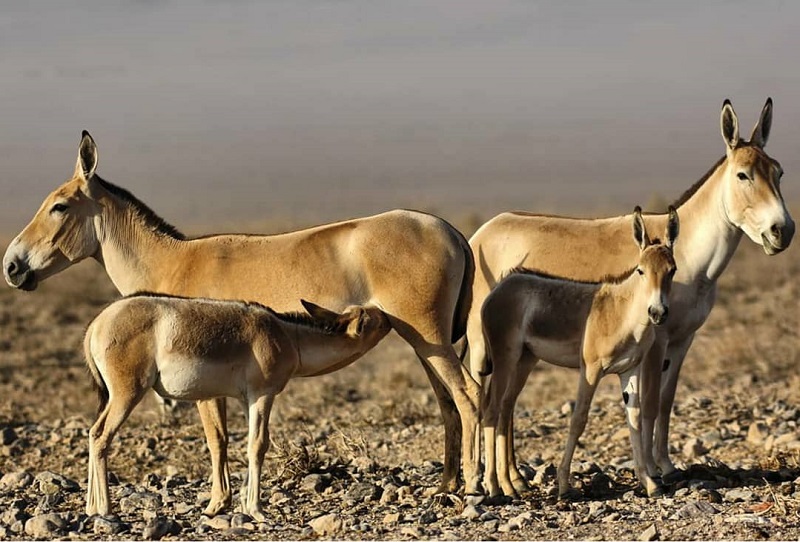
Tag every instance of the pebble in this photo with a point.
(45, 526)
(389, 494)
(8, 435)
(694, 448)
(757, 433)
(391, 518)
(470, 512)
(651, 533)
(313, 483)
(327, 524)
(242, 521)
(108, 525)
(363, 492)
(15, 480)
(696, 508)
(738, 494)
(143, 500)
(219, 523)
(158, 527)
(568, 408)
(411, 531)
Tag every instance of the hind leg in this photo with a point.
(452, 435)
(100, 435)
(213, 415)
(258, 443)
(526, 364)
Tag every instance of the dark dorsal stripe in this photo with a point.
(150, 218)
(686, 196)
(607, 279)
(294, 317)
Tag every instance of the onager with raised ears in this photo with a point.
(416, 267)
(739, 194)
(195, 349)
(601, 328)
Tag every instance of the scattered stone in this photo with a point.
(364, 464)
(428, 517)
(757, 433)
(597, 509)
(158, 527)
(544, 472)
(279, 497)
(143, 500)
(520, 521)
(471, 512)
(12, 481)
(363, 492)
(45, 526)
(694, 448)
(391, 518)
(488, 516)
(389, 494)
(651, 533)
(739, 494)
(568, 408)
(313, 483)
(218, 523)
(411, 531)
(109, 525)
(696, 508)
(8, 435)
(242, 521)
(327, 524)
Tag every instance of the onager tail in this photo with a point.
(464, 302)
(97, 380)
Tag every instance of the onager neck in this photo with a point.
(708, 238)
(136, 256)
(322, 352)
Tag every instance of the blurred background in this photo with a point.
(239, 114)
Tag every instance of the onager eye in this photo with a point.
(743, 176)
(639, 270)
(58, 208)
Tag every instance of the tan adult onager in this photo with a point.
(415, 267)
(741, 193)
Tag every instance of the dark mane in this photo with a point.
(696, 186)
(606, 279)
(294, 317)
(150, 218)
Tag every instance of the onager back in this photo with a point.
(197, 349)
(601, 328)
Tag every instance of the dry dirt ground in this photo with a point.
(353, 453)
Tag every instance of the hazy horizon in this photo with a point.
(237, 111)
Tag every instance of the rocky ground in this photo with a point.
(354, 454)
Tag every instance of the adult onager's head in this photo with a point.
(598, 327)
(195, 349)
(415, 266)
(62, 232)
(752, 194)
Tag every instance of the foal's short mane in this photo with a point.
(294, 317)
(606, 279)
(150, 218)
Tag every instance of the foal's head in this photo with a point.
(656, 264)
(364, 324)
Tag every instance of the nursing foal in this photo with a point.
(195, 349)
(601, 328)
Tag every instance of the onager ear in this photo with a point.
(673, 227)
(87, 158)
(318, 312)
(763, 126)
(359, 321)
(730, 125)
(639, 230)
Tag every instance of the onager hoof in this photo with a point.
(216, 506)
(520, 485)
(654, 490)
(498, 500)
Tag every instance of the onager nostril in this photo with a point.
(11, 268)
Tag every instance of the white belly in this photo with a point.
(193, 380)
(561, 353)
